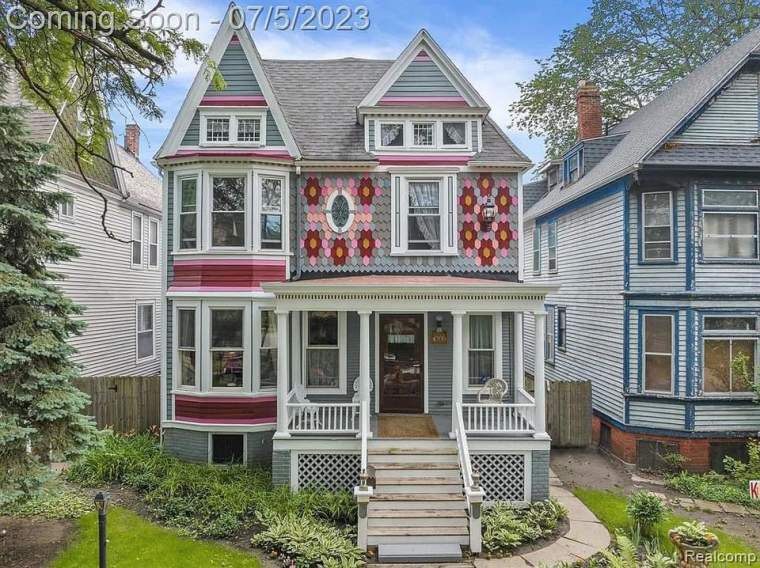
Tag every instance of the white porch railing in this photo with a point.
(501, 418)
(363, 493)
(306, 417)
(472, 491)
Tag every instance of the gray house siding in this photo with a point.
(238, 75)
(422, 78)
(193, 445)
(590, 247)
(103, 281)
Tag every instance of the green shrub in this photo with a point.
(646, 510)
(305, 542)
(505, 527)
(51, 503)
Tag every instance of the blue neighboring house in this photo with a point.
(651, 229)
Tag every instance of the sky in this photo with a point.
(494, 43)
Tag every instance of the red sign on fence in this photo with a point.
(754, 489)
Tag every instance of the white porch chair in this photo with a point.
(356, 389)
(493, 391)
(309, 415)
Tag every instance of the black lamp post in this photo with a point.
(101, 504)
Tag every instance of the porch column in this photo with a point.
(364, 357)
(539, 384)
(519, 370)
(282, 373)
(457, 370)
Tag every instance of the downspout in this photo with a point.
(298, 223)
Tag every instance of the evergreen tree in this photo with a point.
(39, 406)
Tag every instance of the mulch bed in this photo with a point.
(32, 542)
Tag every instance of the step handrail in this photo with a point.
(363, 492)
(472, 491)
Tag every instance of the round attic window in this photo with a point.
(340, 212)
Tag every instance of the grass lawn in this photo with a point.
(133, 541)
(610, 509)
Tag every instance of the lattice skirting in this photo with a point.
(334, 472)
(503, 476)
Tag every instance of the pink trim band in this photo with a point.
(215, 289)
(279, 154)
(236, 399)
(252, 421)
(425, 160)
(234, 100)
(229, 262)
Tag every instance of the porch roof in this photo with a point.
(412, 292)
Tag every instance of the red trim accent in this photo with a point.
(278, 154)
(234, 100)
(225, 410)
(225, 275)
(234, 39)
(454, 101)
(424, 160)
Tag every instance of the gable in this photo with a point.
(238, 76)
(731, 117)
(422, 77)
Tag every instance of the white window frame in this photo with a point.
(644, 352)
(408, 130)
(152, 221)
(256, 355)
(139, 304)
(62, 214)
(753, 210)
(536, 249)
(447, 206)
(550, 335)
(225, 433)
(342, 355)
(208, 307)
(179, 177)
(134, 240)
(199, 358)
(642, 234)
(729, 335)
(209, 203)
(257, 212)
(233, 115)
(498, 349)
(551, 251)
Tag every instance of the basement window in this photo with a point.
(227, 449)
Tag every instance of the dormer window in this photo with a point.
(573, 166)
(233, 128)
(454, 134)
(418, 134)
(423, 133)
(392, 134)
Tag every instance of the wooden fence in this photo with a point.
(568, 413)
(126, 404)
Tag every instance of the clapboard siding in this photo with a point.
(732, 117)
(726, 417)
(189, 445)
(273, 135)
(422, 78)
(440, 365)
(238, 76)
(654, 414)
(648, 276)
(370, 135)
(590, 253)
(102, 281)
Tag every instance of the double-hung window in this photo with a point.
(573, 165)
(244, 128)
(424, 215)
(187, 347)
(66, 208)
(551, 248)
(657, 358)
(562, 329)
(730, 220)
(730, 353)
(226, 347)
(657, 226)
(189, 207)
(481, 353)
(271, 213)
(267, 350)
(228, 202)
(322, 369)
(145, 327)
(153, 243)
(137, 240)
(537, 249)
(551, 322)
(424, 212)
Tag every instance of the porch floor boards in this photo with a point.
(441, 422)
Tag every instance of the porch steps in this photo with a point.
(417, 512)
(419, 556)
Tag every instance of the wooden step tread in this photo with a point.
(413, 451)
(413, 465)
(418, 497)
(418, 480)
(417, 531)
(417, 513)
(428, 565)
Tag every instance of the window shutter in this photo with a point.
(397, 242)
(449, 238)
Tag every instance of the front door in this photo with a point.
(402, 363)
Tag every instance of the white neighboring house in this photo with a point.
(117, 283)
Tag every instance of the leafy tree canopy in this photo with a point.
(632, 49)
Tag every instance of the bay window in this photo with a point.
(187, 336)
(657, 358)
(657, 226)
(271, 213)
(730, 346)
(226, 347)
(189, 207)
(481, 350)
(267, 349)
(323, 364)
(730, 224)
(228, 200)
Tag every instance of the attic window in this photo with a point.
(218, 130)
(392, 134)
(241, 127)
(454, 133)
(573, 165)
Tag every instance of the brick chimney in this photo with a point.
(588, 104)
(132, 140)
